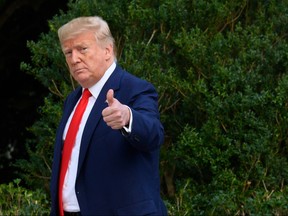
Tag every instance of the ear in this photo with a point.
(109, 52)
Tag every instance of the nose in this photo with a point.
(75, 57)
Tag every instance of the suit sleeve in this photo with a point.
(147, 132)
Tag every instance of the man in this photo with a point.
(112, 165)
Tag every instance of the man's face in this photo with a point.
(87, 60)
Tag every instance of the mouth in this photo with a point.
(78, 70)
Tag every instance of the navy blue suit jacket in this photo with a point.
(117, 174)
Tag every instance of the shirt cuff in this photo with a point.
(128, 128)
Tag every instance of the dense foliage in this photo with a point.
(20, 201)
(221, 70)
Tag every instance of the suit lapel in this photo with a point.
(70, 104)
(96, 113)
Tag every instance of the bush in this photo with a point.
(20, 201)
(221, 70)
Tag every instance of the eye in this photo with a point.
(83, 49)
(67, 53)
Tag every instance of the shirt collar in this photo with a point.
(95, 89)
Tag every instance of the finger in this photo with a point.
(110, 97)
(105, 112)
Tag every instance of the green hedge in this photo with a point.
(17, 200)
(221, 70)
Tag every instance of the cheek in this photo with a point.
(71, 68)
(94, 63)
(68, 62)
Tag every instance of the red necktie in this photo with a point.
(70, 140)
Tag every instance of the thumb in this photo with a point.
(110, 97)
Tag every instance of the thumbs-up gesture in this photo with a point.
(116, 115)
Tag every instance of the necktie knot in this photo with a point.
(86, 93)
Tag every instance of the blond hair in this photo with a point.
(93, 24)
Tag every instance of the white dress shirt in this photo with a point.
(70, 202)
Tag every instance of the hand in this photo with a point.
(116, 115)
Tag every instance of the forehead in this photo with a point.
(83, 38)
